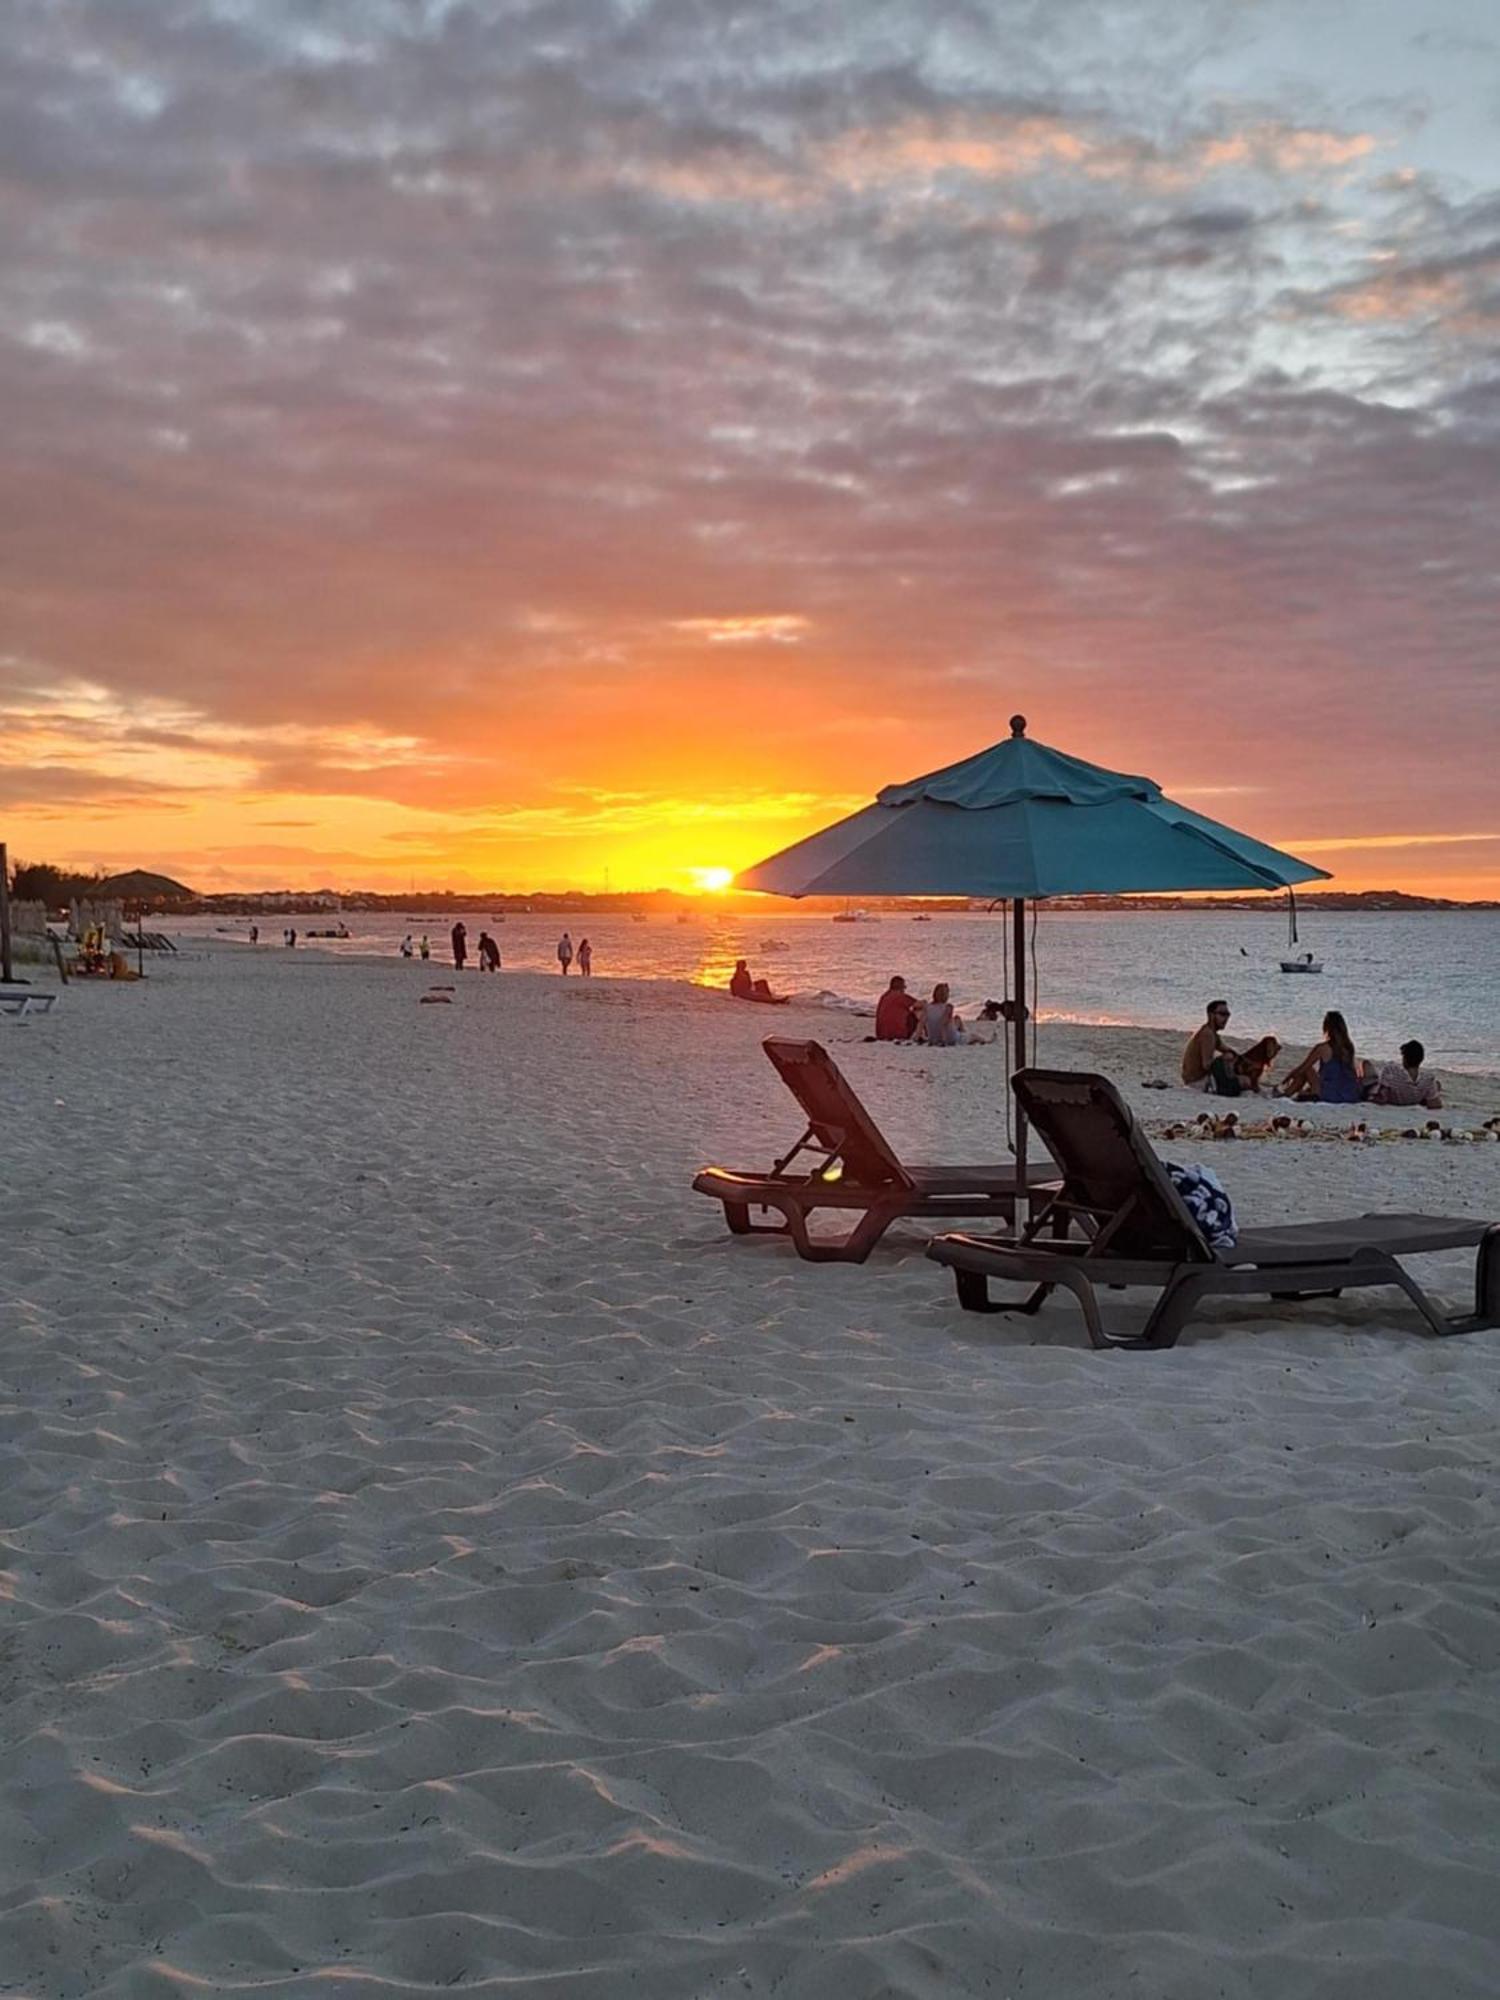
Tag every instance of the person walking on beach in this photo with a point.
(489, 953)
(585, 959)
(291, 940)
(460, 945)
(407, 946)
(255, 934)
(564, 954)
(424, 949)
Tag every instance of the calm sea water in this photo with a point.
(1431, 974)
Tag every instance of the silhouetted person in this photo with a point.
(460, 946)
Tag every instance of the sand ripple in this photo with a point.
(436, 1559)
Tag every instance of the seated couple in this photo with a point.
(900, 1018)
(1208, 1062)
(743, 987)
(1332, 1073)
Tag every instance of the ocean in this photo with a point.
(1434, 975)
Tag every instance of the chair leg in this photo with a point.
(854, 1248)
(1176, 1306)
(974, 1292)
(737, 1216)
(1487, 1280)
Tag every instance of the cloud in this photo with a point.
(419, 408)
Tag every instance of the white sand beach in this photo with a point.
(438, 1558)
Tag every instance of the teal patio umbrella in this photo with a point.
(1018, 823)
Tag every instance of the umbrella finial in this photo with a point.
(1018, 725)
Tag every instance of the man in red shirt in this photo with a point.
(896, 1013)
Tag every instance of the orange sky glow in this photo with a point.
(420, 478)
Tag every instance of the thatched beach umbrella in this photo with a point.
(1018, 823)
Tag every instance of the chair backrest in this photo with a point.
(1109, 1166)
(836, 1119)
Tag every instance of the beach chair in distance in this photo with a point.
(852, 1167)
(20, 1003)
(1137, 1230)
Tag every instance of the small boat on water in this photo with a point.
(1302, 961)
(853, 916)
(921, 920)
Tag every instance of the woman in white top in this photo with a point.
(941, 1027)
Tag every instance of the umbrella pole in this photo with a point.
(1018, 944)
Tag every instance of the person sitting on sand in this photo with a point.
(941, 1026)
(1331, 1073)
(743, 987)
(896, 1013)
(1250, 1068)
(1406, 1082)
(1208, 1060)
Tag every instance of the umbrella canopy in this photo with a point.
(1021, 821)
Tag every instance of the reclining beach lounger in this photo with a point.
(23, 1003)
(1138, 1231)
(856, 1170)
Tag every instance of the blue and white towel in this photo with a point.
(1208, 1202)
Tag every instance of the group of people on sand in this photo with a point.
(1332, 1071)
(901, 1017)
(486, 951)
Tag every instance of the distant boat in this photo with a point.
(849, 915)
(774, 944)
(1302, 961)
(637, 916)
(921, 920)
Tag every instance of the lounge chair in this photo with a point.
(20, 1004)
(856, 1170)
(1136, 1230)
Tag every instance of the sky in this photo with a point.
(577, 444)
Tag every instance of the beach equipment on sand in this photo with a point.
(853, 1168)
(1139, 1231)
(1017, 823)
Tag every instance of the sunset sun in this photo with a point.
(712, 881)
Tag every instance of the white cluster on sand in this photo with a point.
(438, 1558)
